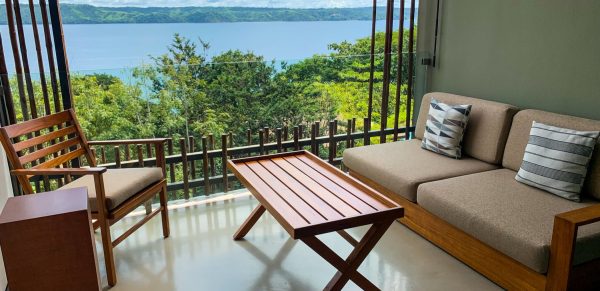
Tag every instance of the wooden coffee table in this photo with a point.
(308, 197)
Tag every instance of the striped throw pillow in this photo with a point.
(445, 128)
(556, 159)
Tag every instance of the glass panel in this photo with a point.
(193, 80)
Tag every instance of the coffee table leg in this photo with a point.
(249, 223)
(347, 269)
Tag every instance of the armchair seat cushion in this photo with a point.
(119, 185)
(509, 216)
(402, 166)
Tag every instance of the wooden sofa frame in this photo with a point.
(498, 267)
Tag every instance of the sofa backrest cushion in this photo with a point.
(519, 136)
(488, 126)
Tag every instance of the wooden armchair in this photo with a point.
(45, 147)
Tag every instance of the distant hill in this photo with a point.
(88, 14)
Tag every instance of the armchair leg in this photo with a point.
(165, 212)
(107, 246)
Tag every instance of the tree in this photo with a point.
(109, 109)
(233, 92)
(342, 78)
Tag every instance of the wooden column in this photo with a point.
(387, 64)
(61, 54)
(372, 61)
(278, 139)
(366, 125)
(184, 162)
(261, 142)
(296, 138)
(117, 157)
(331, 155)
(411, 67)
(224, 162)
(205, 166)
(399, 69)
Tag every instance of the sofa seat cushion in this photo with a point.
(119, 185)
(401, 166)
(511, 217)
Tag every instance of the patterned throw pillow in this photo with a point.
(556, 159)
(445, 128)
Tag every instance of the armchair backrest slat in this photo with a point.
(61, 146)
(60, 160)
(48, 142)
(54, 135)
(38, 124)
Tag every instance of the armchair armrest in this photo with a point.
(96, 172)
(58, 171)
(129, 141)
(564, 237)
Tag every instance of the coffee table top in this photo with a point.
(308, 196)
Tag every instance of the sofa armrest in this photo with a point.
(564, 236)
(582, 216)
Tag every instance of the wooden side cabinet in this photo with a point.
(48, 243)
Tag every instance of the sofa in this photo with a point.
(518, 236)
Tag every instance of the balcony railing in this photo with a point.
(197, 167)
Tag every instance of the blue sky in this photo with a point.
(237, 3)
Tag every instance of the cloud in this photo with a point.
(230, 3)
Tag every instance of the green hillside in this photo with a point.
(81, 14)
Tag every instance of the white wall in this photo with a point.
(5, 192)
(539, 54)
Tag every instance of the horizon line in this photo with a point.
(260, 7)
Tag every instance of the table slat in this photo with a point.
(291, 198)
(321, 204)
(330, 174)
(313, 184)
(271, 200)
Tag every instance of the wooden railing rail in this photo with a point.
(198, 166)
(200, 170)
(253, 149)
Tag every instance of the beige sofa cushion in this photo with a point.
(401, 166)
(487, 129)
(519, 136)
(509, 216)
(119, 184)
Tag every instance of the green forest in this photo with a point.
(183, 93)
(88, 14)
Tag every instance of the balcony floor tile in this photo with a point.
(201, 255)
